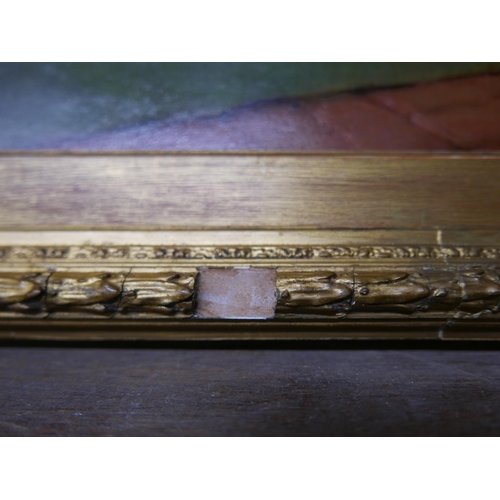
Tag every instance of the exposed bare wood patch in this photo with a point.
(236, 293)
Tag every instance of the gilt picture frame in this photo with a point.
(249, 246)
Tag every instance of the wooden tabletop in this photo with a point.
(250, 389)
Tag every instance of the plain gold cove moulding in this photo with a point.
(249, 246)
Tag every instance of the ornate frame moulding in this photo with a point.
(249, 246)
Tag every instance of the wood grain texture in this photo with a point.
(261, 389)
(176, 191)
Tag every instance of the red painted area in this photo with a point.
(465, 112)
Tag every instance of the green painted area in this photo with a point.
(179, 86)
(47, 102)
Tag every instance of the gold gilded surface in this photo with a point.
(163, 191)
(109, 246)
(74, 294)
(14, 290)
(324, 292)
(23, 294)
(158, 294)
(434, 298)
